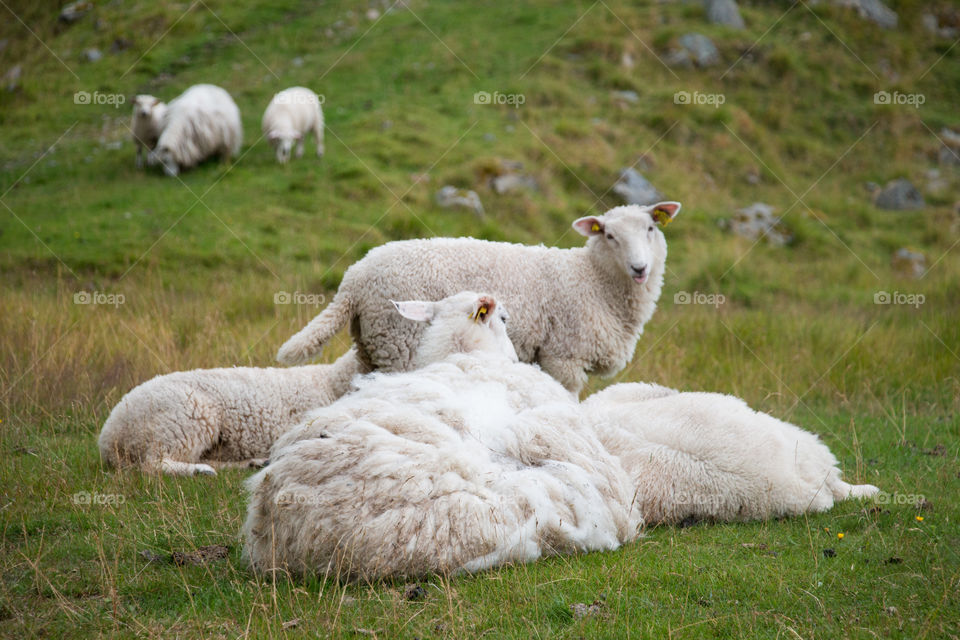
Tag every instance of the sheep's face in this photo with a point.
(630, 237)
(164, 155)
(283, 144)
(144, 106)
(461, 323)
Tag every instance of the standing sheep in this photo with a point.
(289, 117)
(146, 125)
(708, 456)
(202, 122)
(614, 283)
(465, 464)
(225, 417)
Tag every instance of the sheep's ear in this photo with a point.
(664, 212)
(483, 309)
(589, 226)
(415, 310)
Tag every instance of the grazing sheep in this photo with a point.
(465, 464)
(202, 122)
(223, 417)
(289, 117)
(614, 283)
(708, 456)
(146, 125)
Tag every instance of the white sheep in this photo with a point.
(200, 123)
(708, 456)
(467, 463)
(147, 122)
(189, 422)
(576, 311)
(290, 116)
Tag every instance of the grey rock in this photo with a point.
(872, 10)
(489, 137)
(449, 197)
(635, 189)
(513, 182)
(297, 62)
(899, 195)
(92, 55)
(724, 12)
(11, 79)
(627, 96)
(932, 24)
(909, 263)
(695, 48)
(949, 153)
(74, 11)
(758, 221)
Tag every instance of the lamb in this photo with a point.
(466, 463)
(614, 282)
(190, 422)
(708, 456)
(202, 122)
(148, 114)
(289, 117)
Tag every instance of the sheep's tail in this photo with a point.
(308, 342)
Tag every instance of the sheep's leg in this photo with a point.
(139, 157)
(177, 468)
(252, 463)
(318, 134)
(300, 147)
(842, 490)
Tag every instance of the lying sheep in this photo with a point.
(290, 116)
(189, 422)
(708, 456)
(200, 123)
(146, 125)
(614, 283)
(467, 463)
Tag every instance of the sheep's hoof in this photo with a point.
(204, 470)
(258, 463)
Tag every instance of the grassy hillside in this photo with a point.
(187, 271)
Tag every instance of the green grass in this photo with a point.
(198, 262)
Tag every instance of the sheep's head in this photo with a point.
(144, 106)
(461, 323)
(630, 237)
(283, 142)
(165, 156)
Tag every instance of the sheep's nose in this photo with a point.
(640, 271)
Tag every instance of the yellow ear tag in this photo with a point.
(662, 217)
(480, 314)
(595, 227)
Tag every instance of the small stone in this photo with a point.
(899, 195)
(74, 11)
(829, 553)
(635, 189)
(627, 61)
(513, 182)
(627, 96)
(581, 610)
(92, 55)
(414, 592)
(909, 263)
(872, 10)
(758, 221)
(890, 611)
(297, 62)
(724, 12)
(950, 149)
(449, 197)
(11, 79)
(489, 137)
(372, 14)
(698, 49)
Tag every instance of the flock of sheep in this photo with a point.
(450, 437)
(204, 122)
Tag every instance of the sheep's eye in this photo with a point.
(609, 236)
(650, 228)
